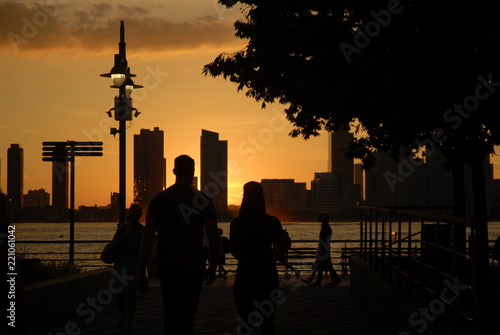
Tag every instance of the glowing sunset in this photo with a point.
(52, 57)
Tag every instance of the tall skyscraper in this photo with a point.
(284, 195)
(347, 192)
(286, 199)
(149, 166)
(15, 176)
(60, 185)
(324, 193)
(400, 183)
(214, 170)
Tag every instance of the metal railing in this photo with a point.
(87, 252)
(423, 255)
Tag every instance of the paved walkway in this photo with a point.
(306, 310)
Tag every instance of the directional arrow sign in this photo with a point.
(63, 149)
(66, 152)
(70, 153)
(70, 142)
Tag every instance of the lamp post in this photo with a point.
(121, 76)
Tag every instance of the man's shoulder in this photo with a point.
(173, 190)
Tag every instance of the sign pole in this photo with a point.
(72, 205)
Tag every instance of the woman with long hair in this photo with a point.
(253, 235)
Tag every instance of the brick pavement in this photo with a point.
(305, 310)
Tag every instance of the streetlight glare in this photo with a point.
(118, 79)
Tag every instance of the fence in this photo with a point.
(430, 258)
(301, 255)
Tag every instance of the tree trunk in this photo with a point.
(459, 232)
(481, 268)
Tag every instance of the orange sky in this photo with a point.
(51, 90)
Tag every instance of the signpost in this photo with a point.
(66, 152)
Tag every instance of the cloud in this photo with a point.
(94, 28)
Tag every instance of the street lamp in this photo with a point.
(121, 76)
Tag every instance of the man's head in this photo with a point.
(134, 213)
(184, 167)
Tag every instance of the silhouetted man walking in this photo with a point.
(179, 215)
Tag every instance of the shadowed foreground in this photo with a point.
(304, 310)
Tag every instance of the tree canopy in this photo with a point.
(413, 73)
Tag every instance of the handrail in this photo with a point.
(467, 222)
(301, 254)
(422, 267)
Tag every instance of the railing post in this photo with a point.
(389, 256)
(361, 224)
(437, 247)
(399, 252)
(382, 246)
(375, 253)
(421, 263)
(370, 243)
(410, 260)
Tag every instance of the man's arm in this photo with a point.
(214, 249)
(145, 252)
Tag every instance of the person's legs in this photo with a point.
(320, 273)
(131, 292)
(254, 294)
(243, 291)
(120, 303)
(125, 299)
(335, 277)
(180, 300)
(333, 274)
(267, 304)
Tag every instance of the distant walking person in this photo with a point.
(224, 248)
(253, 234)
(323, 261)
(178, 215)
(128, 241)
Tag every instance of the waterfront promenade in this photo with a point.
(305, 310)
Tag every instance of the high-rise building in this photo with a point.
(36, 199)
(339, 164)
(214, 170)
(324, 193)
(114, 200)
(495, 199)
(60, 185)
(347, 191)
(15, 176)
(149, 166)
(409, 183)
(284, 195)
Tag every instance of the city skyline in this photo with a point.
(336, 193)
(52, 91)
(308, 181)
